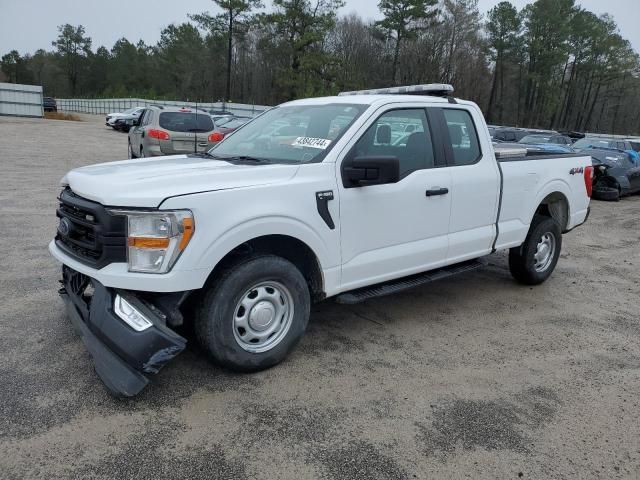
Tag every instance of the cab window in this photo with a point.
(463, 137)
(404, 134)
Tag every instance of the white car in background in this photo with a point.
(132, 112)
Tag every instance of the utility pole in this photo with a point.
(227, 96)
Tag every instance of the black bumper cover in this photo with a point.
(121, 355)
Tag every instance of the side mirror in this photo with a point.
(374, 170)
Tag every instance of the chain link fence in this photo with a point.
(102, 106)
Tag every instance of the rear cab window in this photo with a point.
(463, 137)
(185, 122)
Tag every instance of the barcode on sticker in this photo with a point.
(320, 143)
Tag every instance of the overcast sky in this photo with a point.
(26, 25)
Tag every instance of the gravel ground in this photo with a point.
(474, 376)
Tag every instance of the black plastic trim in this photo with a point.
(122, 356)
(435, 126)
(322, 203)
(94, 237)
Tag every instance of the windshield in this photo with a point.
(185, 122)
(594, 143)
(131, 110)
(533, 139)
(291, 134)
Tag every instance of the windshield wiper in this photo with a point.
(246, 158)
(234, 158)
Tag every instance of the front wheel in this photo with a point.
(254, 314)
(534, 261)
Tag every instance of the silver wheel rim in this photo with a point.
(545, 252)
(262, 317)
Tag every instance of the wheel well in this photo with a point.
(290, 248)
(556, 206)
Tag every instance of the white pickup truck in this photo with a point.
(353, 196)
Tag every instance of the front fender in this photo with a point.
(259, 227)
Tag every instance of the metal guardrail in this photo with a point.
(21, 100)
(102, 106)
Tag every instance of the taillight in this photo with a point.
(216, 137)
(588, 180)
(158, 134)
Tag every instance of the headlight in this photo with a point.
(156, 239)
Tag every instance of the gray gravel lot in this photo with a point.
(475, 376)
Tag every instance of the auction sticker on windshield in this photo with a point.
(321, 143)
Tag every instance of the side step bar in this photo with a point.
(395, 286)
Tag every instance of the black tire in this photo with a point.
(524, 266)
(131, 155)
(219, 311)
(609, 194)
(141, 153)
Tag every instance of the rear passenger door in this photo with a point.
(475, 179)
(397, 229)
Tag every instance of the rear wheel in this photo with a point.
(131, 154)
(141, 152)
(534, 261)
(254, 314)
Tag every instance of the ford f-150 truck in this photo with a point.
(353, 196)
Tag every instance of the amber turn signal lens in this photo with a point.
(187, 225)
(148, 242)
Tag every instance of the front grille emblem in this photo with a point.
(64, 227)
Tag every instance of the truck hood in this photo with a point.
(147, 182)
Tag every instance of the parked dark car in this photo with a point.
(613, 144)
(510, 134)
(49, 104)
(553, 143)
(543, 138)
(615, 173)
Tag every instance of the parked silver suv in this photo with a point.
(170, 131)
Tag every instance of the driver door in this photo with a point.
(397, 229)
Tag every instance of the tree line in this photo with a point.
(552, 64)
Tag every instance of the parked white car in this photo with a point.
(132, 113)
(271, 220)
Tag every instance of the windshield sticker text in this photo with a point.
(321, 143)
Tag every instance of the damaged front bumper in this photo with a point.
(123, 353)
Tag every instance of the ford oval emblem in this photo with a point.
(64, 227)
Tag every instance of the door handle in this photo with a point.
(436, 191)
